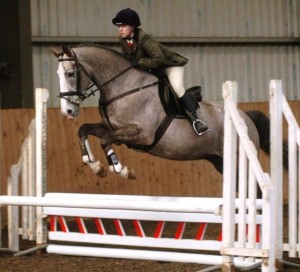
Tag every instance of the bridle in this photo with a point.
(79, 95)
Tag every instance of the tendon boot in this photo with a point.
(189, 106)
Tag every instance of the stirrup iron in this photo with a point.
(203, 125)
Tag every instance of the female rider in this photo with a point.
(148, 54)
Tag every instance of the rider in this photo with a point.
(148, 54)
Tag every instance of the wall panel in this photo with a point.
(169, 18)
(209, 66)
(268, 30)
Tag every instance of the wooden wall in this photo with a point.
(66, 173)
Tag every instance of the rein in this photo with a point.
(82, 96)
(78, 92)
(108, 102)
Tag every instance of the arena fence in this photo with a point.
(30, 174)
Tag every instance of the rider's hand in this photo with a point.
(135, 63)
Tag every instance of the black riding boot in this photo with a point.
(189, 105)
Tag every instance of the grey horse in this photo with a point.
(133, 114)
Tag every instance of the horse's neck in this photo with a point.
(106, 66)
(131, 79)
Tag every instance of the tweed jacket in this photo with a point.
(149, 53)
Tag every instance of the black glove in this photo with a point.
(134, 62)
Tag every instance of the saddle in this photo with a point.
(169, 98)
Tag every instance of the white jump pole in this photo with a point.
(149, 205)
(105, 204)
(41, 97)
(141, 255)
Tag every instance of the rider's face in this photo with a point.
(126, 31)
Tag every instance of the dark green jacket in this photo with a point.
(149, 53)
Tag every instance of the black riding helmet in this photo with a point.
(127, 17)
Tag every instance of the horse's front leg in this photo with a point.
(103, 133)
(98, 130)
(130, 133)
(115, 166)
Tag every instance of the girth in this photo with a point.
(172, 109)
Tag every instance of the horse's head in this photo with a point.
(74, 81)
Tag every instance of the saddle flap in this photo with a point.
(170, 101)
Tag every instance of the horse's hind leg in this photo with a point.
(216, 161)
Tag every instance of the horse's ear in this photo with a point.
(67, 50)
(56, 51)
(60, 51)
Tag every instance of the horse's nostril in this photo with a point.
(69, 112)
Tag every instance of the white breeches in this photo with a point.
(175, 76)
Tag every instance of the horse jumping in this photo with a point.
(133, 114)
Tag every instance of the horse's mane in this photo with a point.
(113, 51)
(82, 45)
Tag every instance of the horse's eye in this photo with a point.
(71, 73)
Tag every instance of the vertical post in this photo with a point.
(268, 219)
(252, 191)
(1, 158)
(32, 183)
(13, 211)
(292, 185)
(41, 97)
(229, 176)
(24, 184)
(293, 146)
(276, 160)
(242, 196)
(298, 191)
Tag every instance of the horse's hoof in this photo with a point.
(98, 169)
(131, 174)
(111, 169)
(102, 172)
(127, 173)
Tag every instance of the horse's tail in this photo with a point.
(262, 124)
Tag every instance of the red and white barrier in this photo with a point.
(139, 214)
(160, 212)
